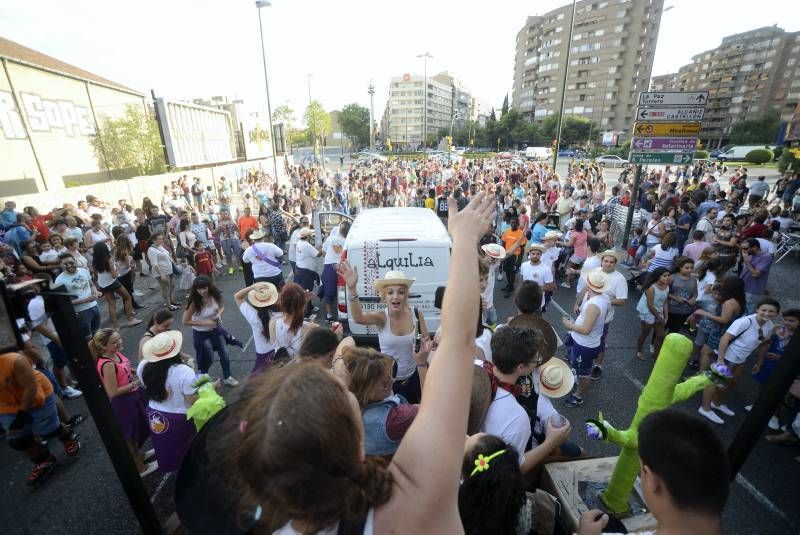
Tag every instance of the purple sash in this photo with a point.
(263, 258)
(172, 435)
(130, 412)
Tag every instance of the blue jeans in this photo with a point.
(89, 320)
(205, 343)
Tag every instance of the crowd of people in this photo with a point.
(327, 435)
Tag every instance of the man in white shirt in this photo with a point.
(265, 259)
(517, 355)
(293, 239)
(537, 271)
(332, 247)
(706, 224)
(742, 338)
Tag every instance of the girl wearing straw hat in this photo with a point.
(256, 304)
(169, 386)
(397, 328)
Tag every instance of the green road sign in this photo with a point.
(661, 157)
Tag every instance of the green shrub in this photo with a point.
(701, 154)
(778, 151)
(787, 159)
(759, 156)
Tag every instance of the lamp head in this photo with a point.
(263, 3)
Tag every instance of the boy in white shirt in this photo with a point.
(536, 270)
(550, 257)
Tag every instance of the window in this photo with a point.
(540, 113)
(612, 69)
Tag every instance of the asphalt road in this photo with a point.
(84, 496)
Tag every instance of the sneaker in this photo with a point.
(774, 424)
(565, 284)
(723, 409)
(230, 271)
(149, 468)
(72, 445)
(573, 401)
(149, 454)
(231, 381)
(138, 293)
(75, 420)
(597, 371)
(218, 265)
(748, 408)
(41, 472)
(500, 276)
(652, 349)
(710, 415)
(70, 393)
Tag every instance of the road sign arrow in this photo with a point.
(686, 158)
(643, 114)
(701, 98)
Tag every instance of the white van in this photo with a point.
(739, 153)
(411, 240)
(539, 153)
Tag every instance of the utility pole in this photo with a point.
(371, 91)
(313, 124)
(425, 57)
(564, 87)
(259, 5)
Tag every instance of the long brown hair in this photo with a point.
(299, 448)
(292, 302)
(366, 368)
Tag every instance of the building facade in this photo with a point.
(610, 61)
(749, 75)
(405, 109)
(50, 113)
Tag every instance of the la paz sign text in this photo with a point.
(673, 98)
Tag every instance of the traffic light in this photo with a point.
(555, 145)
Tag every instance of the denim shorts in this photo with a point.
(230, 247)
(581, 359)
(57, 354)
(89, 320)
(45, 419)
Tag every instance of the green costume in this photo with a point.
(661, 391)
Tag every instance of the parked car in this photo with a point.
(504, 156)
(539, 153)
(739, 152)
(370, 157)
(566, 153)
(610, 160)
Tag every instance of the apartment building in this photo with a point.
(750, 74)
(405, 109)
(608, 62)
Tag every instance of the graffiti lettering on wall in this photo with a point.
(44, 115)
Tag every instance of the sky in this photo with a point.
(199, 48)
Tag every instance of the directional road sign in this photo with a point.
(664, 143)
(665, 129)
(683, 113)
(661, 157)
(673, 98)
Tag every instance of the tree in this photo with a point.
(575, 129)
(284, 114)
(354, 120)
(492, 115)
(504, 109)
(318, 122)
(763, 130)
(130, 143)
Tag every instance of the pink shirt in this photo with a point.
(695, 249)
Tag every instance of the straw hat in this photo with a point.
(551, 234)
(494, 250)
(393, 278)
(598, 281)
(162, 346)
(306, 232)
(608, 252)
(536, 247)
(263, 295)
(257, 235)
(555, 379)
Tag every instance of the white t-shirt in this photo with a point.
(262, 344)
(38, 317)
(589, 264)
(592, 339)
(293, 243)
(549, 256)
(260, 255)
(746, 331)
(708, 280)
(306, 253)
(179, 383)
(766, 246)
(488, 294)
(484, 341)
(618, 290)
(79, 284)
(331, 243)
(508, 420)
(541, 274)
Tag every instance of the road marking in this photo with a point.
(638, 384)
(760, 498)
(247, 344)
(160, 486)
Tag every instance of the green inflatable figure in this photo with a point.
(661, 391)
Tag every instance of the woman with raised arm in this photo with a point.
(398, 326)
(298, 442)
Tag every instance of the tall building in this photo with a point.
(750, 74)
(664, 82)
(610, 61)
(405, 108)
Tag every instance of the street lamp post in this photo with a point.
(371, 91)
(313, 124)
(425, 57)
(259, 5)
(564, 87)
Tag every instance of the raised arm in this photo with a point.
(350, 276)
(427, 466)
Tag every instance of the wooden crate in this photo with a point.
(563, 480)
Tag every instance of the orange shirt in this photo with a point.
(246, 223)
(11, 392)
(510, 236)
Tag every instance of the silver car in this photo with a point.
(611, 160)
